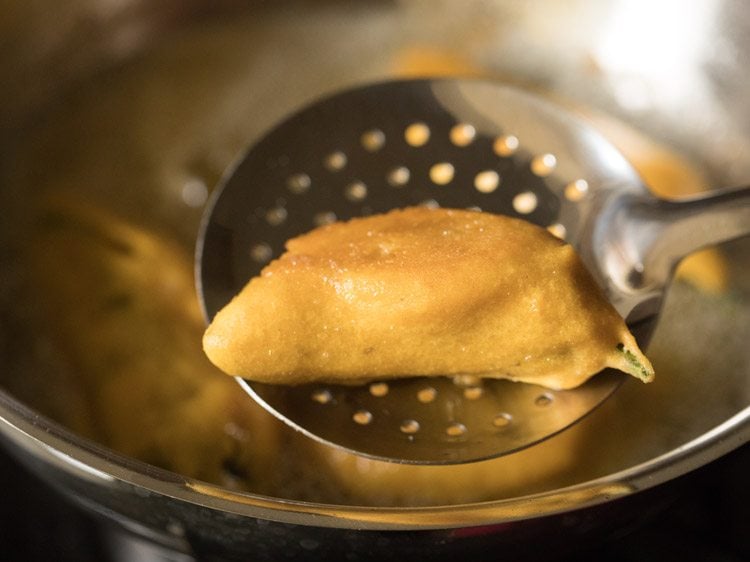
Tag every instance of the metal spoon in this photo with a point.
(453, 143)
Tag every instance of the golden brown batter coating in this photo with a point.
(118, 302)
(423, 291)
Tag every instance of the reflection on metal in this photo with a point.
(652, 52)
(431, 517)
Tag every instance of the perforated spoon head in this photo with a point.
(458, 144)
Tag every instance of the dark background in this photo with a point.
(708, 520)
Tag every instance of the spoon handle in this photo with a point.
(662, 232)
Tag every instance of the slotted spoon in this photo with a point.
(460, 144)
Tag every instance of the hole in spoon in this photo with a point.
(456, 429)
(417, 134)
(398, 177)
(525, 202)
(409, 427)
(276, 216)
(430, 204)
(379, 389)
(543, 165)
(463, 134)
(576, 190)
(473, 392)
(502, 419)
(261, 253)
(335, 161)
(324, 217)
(426, 395)
(362, 417)
(298, 183)
(487, 181)
(558, 230)
(442, 173)
(355, 191)
(505, 145)
(373, 140)
(322, 396)
(544, 400)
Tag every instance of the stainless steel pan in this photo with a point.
(193, 84)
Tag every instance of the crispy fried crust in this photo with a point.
(423, 291)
